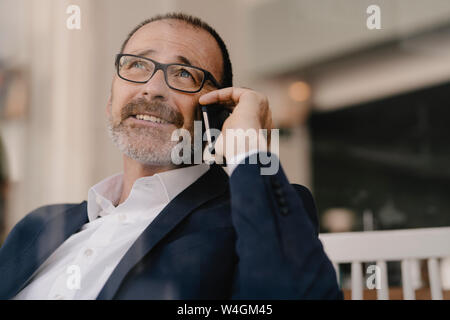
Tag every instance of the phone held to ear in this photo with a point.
(214, 116)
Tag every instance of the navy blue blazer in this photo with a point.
(251, 236)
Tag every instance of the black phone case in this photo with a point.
(217, 114)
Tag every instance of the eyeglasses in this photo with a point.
(181, 77)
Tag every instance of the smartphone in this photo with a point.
(213, 118)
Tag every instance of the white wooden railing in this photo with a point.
(407, 246)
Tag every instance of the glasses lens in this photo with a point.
(135, 69)
(184, 77)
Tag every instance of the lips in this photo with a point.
(150, 118)
(152, 112)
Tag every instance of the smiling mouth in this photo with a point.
(149, 118)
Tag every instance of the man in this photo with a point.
(162, 231)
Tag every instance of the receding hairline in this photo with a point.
(172, 22)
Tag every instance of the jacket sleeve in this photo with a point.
(280, 254)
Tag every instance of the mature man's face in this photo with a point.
(165, 41)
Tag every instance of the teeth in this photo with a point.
(150, 118)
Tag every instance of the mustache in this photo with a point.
(156, 108)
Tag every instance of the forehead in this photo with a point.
(168, 40)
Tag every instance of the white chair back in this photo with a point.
(407, 246)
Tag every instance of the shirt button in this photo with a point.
(88, 252)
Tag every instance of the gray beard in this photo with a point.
(145, 145)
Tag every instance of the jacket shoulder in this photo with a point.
(47, 212)
(34, 221)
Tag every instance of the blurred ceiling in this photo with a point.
(287, 33)
(328, 44)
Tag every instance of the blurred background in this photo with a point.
(362, 112)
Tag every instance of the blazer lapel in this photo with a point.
(29, 245)
(212, 184)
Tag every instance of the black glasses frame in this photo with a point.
(163, 67)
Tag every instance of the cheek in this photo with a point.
(189, 110)
(120, 97)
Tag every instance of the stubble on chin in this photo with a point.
(149, 146)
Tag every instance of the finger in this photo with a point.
(227, 105)
(226, 95)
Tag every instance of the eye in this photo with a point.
(184, 73)
(138, 65)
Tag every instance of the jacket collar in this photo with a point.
(209, 186)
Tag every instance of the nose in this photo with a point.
(156, 87)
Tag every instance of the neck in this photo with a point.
(133, 170)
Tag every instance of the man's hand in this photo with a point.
(251, 111)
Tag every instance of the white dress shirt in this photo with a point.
(80, 267)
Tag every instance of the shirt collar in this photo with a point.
(146, 193)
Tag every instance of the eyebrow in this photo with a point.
(179, 58)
